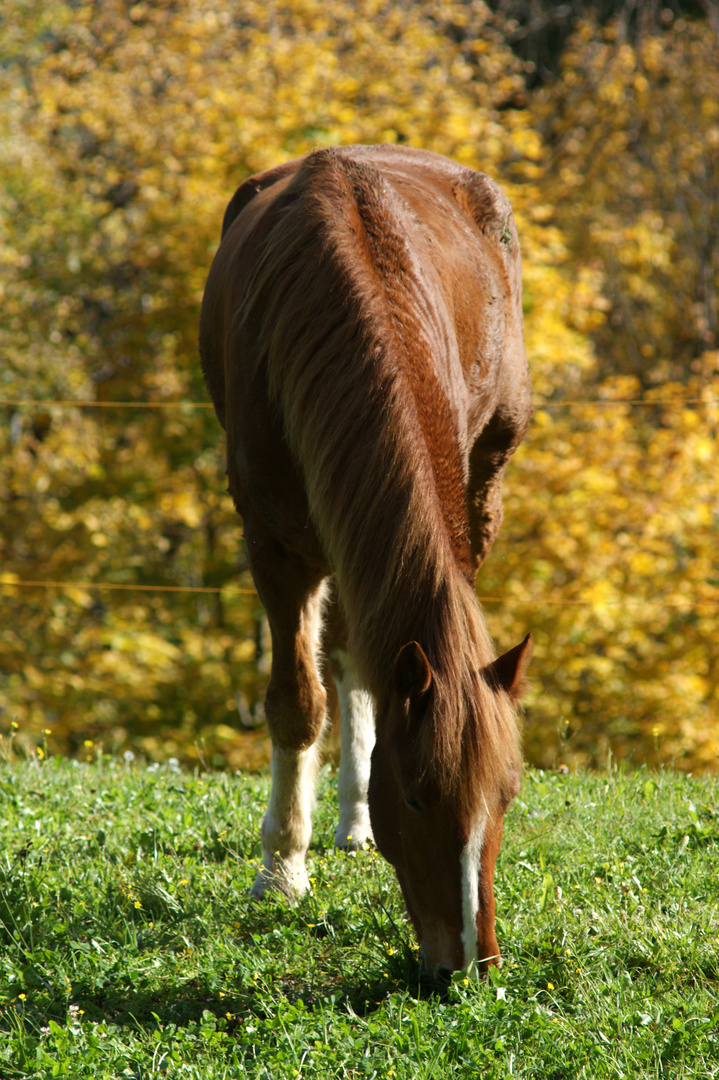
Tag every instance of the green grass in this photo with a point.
(130, 948)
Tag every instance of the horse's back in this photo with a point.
(396, 214)
(458, 222)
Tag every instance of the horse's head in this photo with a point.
(437, 805)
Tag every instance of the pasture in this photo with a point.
(130, 946)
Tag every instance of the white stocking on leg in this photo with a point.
(287, 828)
(358, 734)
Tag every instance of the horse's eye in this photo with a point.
(415, 805)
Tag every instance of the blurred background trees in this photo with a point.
(125, 128)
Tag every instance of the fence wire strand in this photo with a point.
(230, 590)
(6, 583)
(112, 404)
(686, 603)
(646, 402)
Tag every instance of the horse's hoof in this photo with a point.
(285, 876)
(359, 840)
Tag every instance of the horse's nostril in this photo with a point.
(443, 974)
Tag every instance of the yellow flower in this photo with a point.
(88, 742)
(550, 986)
(138, 904)
(22, 996)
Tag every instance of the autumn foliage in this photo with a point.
(125, 128)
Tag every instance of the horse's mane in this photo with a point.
(344, 321)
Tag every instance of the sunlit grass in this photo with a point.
(130, 947)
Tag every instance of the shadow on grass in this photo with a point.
(365, 954)
(187, 1003)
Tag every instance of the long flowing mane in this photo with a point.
(344, 320)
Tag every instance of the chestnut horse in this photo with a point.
(361, 338)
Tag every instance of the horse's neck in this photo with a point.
(435, 607)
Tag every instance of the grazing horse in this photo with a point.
(361, 337)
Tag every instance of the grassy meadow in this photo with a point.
(130, 947)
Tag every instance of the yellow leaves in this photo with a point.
(652, 55)
(528, 142)
(643, 564)
(81, 597)
(121, 149)
(8, 577)
(639, 158)
(611, 93)
(182, 507)
(129, 652)
(705, 448)
(244, 651)
(541, 214)
(223, 731)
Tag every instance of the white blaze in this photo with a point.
(471, 866)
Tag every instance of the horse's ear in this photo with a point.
(412, 673)
(509, 671)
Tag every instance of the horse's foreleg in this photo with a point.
(287, 825)
(357, 735)
(295, 710)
